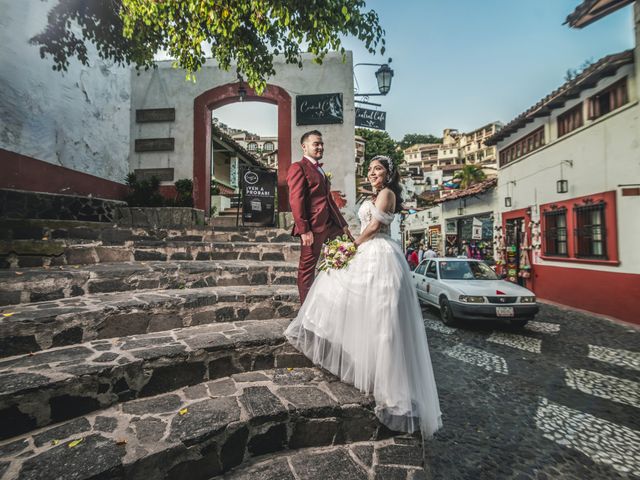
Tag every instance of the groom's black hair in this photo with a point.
(308, 134)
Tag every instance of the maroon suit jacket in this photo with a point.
(310, 198)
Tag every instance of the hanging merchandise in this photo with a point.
(500, 248)
(525, 264)
(512, 265)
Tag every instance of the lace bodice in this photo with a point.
(368, 211)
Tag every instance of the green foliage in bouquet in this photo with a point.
(337, 253)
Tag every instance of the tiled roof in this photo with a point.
(604, 67)
(591, 10)
(474, 189)
(243, 153)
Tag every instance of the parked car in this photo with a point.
(466, 289)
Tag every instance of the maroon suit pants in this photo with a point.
(309, 258)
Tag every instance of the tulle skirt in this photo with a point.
(364, 324)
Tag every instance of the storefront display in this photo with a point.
(475, 237)
(517, 251)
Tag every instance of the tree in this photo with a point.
(415, 138)
(379, 143)
(469, 175)
(248, 32)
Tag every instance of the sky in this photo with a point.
(464, 63)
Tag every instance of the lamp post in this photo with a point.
(384, 75)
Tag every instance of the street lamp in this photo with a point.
(384, 75)
(562, 185)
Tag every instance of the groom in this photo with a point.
(315, 214)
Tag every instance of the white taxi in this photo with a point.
(467, 289)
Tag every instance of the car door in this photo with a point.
(431, 276)
(419, 280)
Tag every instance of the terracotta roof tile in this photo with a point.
(475, 189)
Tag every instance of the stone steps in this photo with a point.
(46, 284)
(38, 326)
(62, 383)
(203, 430)
(38, 253)
(390, 459)
(107, 233)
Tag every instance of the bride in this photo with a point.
(364, 324)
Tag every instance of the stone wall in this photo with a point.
(16, 204)
(78, 119)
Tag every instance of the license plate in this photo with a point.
(504, 311)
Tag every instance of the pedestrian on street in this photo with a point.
(430, 253)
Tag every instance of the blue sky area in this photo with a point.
(464, 63)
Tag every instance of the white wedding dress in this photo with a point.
(364, 324)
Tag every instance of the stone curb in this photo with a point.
(37, 326)
(200, 431)
(63, 383)
(46, 284)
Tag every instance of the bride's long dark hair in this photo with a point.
(393, 178)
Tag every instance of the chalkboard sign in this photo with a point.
(319, 109)
(258, 196)
(371, 118)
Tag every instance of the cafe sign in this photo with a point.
(371, 118)
(320, 109)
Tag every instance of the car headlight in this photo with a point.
(471, 299)
(527, 299)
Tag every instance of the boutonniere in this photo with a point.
(329, 175)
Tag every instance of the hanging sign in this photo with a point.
(258, 196)
(320, 109)
(371, 118)
(476, 229)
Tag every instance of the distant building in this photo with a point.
(360, 146)
(473, 148)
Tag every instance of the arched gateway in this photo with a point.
(224, 95)
(171, 121)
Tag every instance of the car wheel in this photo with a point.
(446, 314)
(519, 323)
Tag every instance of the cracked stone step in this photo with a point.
(46, 284)
(37, 326)
(107, 233)
(390, 459)
(34, 253)
(62, 383)
(207, 429)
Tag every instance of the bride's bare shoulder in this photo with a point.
(385, 200)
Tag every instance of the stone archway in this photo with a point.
(224, 95)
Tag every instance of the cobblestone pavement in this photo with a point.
(557, 399)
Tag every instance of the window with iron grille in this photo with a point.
(555, 228)
(590, 232)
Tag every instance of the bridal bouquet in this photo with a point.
(337, 253)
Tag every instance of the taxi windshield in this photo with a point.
(466, 271)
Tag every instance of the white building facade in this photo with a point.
(569, 192)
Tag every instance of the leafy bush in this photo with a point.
(184, 188)
(143, 193)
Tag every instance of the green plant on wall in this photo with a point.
(184, 187)
(143, 193)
